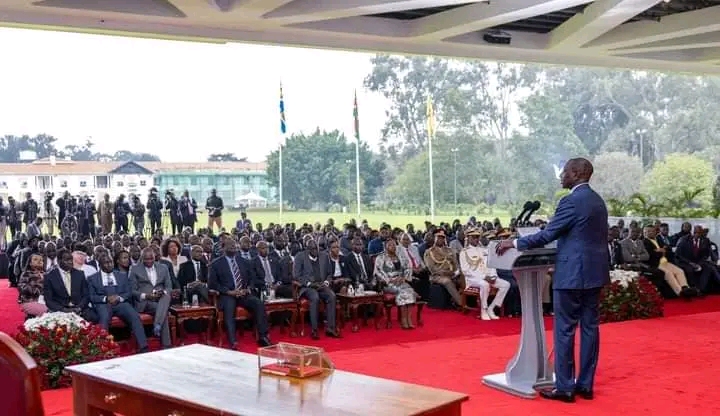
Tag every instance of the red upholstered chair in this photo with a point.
(389, 302)
(241, 314)
(20, 380)
(304, 308)
(472, 292)
(147, 320)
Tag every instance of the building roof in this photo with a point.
(73, 167)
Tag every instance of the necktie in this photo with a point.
(197, 270)
(268, 272)
(697, 245)
(236, 273)
(362, 266)
(67, 280)
(412, 259)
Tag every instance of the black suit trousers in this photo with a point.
(252, 304)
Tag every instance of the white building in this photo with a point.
(78, 178)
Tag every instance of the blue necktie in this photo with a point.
(236, 273)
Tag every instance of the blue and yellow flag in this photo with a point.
(283, 128)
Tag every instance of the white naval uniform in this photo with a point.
(475, 277)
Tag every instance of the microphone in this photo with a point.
(526, 207)
(534, 207)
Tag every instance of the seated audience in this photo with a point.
(473, 264)
(359, 266)
(395, 273)
(338, 268)
(151, 286)
(193, 276)
(31, 287)
(277, 271)
(111, 295)
(634, 253)
(234, 278)
(65, 289)
(311, 275)
(674, 276)
(693, 255)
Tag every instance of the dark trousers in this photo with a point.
(252, 304)
(314, 297)
(700, 279)
(121, 224)
(512, 299)
(284, 291)
(573, 307)
(127, 314)
(175, 225)
(155, 223)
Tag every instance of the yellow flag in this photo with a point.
(430, 118)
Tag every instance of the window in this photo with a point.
(83, 184)
(23, 184)
(225, 180)
(157, 181)
(143, 183)
(44, 182)
(120, 183)
(102, 182)
(63, 184)
(193, 181)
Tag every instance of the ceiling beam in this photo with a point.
(705, 40)
(481, 16)
(363, 25)
(674, 26)
(301, 11)
(258, 8)
(597, 19)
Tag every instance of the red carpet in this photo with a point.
(657, 367)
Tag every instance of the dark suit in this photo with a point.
(313, 286)
(280, 276)
(580, 226)
(355, 269)
(142, 286)
(691, 251)
(188, 274)
(57, 299)
(220, 278)
(123, 309)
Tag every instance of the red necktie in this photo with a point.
(412, 259)
(697, 246)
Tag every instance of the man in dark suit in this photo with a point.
(110, 295)
(580, 225)
(693, 254)
(359, 266)
(276, 272)
(66, 290)
(311, 274)
(193, 276)
(234, 278)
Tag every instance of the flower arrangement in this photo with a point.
(57, 340)
(629, 296)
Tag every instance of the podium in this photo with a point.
(529, 369)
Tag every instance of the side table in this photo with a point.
(190, 313)
(353, 302)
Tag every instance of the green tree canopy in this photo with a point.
(617, 175)
(678, 174)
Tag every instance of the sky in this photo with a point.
(179, 100)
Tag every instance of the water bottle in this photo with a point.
(361, 289)
(351, 291)
(186, 301)
(271, 294)
(195, 301)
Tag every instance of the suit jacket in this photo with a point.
(280, 268)
(187, 273)
(580, 226)
(686, 252)
(615, 255)
(634, 251)
(654, 260)
(342, 260)
(220, 275)
(56, 296)
(171, 271)
(354, 269)
(303, 268)
(98, 291)
(140, 282)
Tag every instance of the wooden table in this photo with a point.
(284, 305)
(199, 380)
(190, 313)
(353, 302)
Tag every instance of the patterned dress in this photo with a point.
(386, 269)
(31, 289)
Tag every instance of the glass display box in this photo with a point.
(291, 360)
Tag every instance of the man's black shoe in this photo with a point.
(584, 393)
(264, 341)
(560, 396)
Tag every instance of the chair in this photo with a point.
(20, 378)
(241, 314)
(146, 320)
(473, 292)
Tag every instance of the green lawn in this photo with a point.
(373, 218)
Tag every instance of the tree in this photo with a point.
(320, 169)
(677, 174)
(81, 153)
(126, 155)
(225, 157)
(617, 175)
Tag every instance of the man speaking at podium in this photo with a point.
(580, 224)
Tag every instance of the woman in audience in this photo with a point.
(171, 252)
(394, 271)
(122, 262)
(31, 287)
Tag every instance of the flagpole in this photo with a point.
(431, 134)
(357, 155)
(283, 137)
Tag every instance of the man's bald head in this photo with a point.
(576, 171)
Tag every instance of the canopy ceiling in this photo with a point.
(679, 35)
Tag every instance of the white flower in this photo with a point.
(52, 320)
(623, 277)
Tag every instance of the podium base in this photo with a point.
(524, 390)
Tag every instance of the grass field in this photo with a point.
(373, 218)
